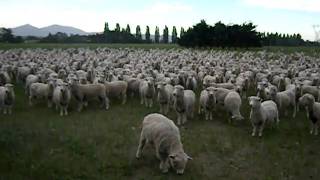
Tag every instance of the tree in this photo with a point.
(106, 28)
(148, 35)
(138, 33)
(157, 35)
(128, 30)
(174, 35)
(118, 29)
(7, 37)
(165, 35)
(182, 32)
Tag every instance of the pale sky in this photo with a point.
(284, 16)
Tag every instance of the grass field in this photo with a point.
(36, 143)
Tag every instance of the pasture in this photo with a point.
(36, 143)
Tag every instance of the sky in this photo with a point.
(284, 16)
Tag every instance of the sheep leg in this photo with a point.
(142, 142)
(80, 106)
(161, 107)
(30, 101)
(141, 99)
(254, 131)
(124, 98)
(211, 115)
(316, 125)
(66, 110)
(311, 128)
(179, 119)
(61, 111)
(207, 114)
(294, 111)
(107, 103)
(261, 130)
(164, 165)
(184, 118)
(199, 110)
(150, 103)
(167, 109)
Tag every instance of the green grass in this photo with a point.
(36, 143)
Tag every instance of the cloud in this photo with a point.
(297, 5)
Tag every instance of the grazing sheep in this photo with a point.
(165, 97)
(117, 89)
(232, 104)
(207, 103)
(84, 92)
(164, 135)
(184, 103)
(262, 113)
(7, 98)
(313, 111)
(147, 92)
(61, 98)
(41, 91)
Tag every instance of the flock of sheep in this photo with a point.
(171, 78)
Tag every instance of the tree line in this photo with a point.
(199, 35)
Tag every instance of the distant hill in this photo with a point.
(29, 30)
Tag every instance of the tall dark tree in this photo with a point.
(174, 35)
(148, 34)
(138, 33)
(106, 28)
(157, 35)
(165, 35)
(128, 30)
(7, 36)
(182, 32)
(118, 29)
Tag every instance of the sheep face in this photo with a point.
(254, 101)
(178, 161)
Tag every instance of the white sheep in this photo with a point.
(313, 111)
(284, 100)
(164, 136)
(7, 98)
(84, 92)
(207, 103)
(232, 104)
(117, 89)
(41, 91)
(184, 103)
(165, 96)
(61, 98)
(261, 113)
(147, 92)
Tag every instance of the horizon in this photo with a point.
(282, 16)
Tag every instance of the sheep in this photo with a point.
(229, 86)
(165, 96)
(261, 113)
(164, 136)
(61, 98)
(191, 82)
(314, 90)
(7, 98)
(232, 103)
(133, 86)
(147, 92)
(41, 90)
(313, 111)
(184, 102)
(284, 100)
(84, 92)
(29, 80)
(207, 103)
(4, 78)
(117, 89)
